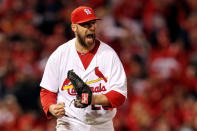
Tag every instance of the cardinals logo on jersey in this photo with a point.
(68, 86)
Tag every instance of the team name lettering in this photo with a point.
(96, 89)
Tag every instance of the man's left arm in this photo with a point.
(113, 99)
(117, 93)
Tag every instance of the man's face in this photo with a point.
(86, 33)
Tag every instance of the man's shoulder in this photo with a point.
(67, 44)
(106, 48)
(64, 48)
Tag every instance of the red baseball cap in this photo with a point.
(83, 14)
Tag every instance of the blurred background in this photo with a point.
(156, 41)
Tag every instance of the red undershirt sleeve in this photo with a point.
(47, 98)
(115, 98)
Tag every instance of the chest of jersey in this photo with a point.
(96, 75)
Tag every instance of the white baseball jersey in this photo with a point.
(66, 58)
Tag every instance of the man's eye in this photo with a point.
(88, 24)
(85, 24)
(93, 22)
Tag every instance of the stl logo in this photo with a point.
(87, 11)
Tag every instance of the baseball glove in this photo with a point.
(84, 92)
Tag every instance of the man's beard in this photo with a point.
(82, 41)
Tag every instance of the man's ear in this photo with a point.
(74, 27)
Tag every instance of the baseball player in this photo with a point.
(84, 80)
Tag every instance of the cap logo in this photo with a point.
(87, 11)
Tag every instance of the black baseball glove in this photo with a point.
(84, 92)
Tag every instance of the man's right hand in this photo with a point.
(57, 110)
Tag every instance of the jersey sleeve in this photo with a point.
(117, 79)
(115, 98)
(47, 98)
(50, 77)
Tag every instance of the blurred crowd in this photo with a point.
(155, 39)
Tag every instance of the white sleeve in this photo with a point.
(118, 80)
(50, 77)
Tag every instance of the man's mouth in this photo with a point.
(90, 36)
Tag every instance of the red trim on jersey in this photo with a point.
(47, 98)
(115, 98)
(86, 58)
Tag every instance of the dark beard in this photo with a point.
(81, 41)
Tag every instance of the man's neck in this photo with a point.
(80, 48)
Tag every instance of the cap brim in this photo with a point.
(90, 19)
